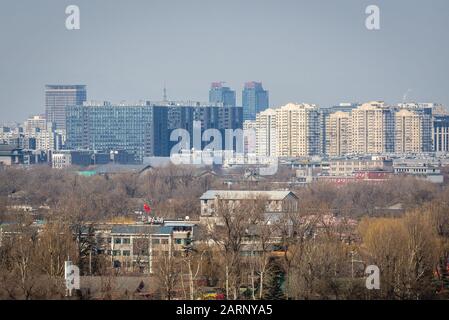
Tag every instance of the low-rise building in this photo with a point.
(347, 167)
(275, 201)
(65, 158)
(429, 173)
(10, 155)
(137, 246)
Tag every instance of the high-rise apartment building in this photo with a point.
(34, 124)
(254, 100)
(325, 113)
(266, 133)
(43, 133)
(219, 94)
(298, 130)
(409, 130)
(58, 97)
(338, 134)
(250, 137)
(372, 127)
(423, 112)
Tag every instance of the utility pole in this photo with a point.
(150, 254)
(352, 263)
(90, 261)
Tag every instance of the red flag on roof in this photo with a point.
(147, 208)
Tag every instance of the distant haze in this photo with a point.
(316, 51)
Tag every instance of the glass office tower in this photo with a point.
(140, 130)
(219, 94)
(254, 100)
(58, 97)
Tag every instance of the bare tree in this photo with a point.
(233, 221)
(167, 270)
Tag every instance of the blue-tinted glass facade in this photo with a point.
(218, 94)
(254, 100)
(140, 130)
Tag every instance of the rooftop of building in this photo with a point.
(8, 147)
(65, 87)
(245, 194)
(146, 103)
(166, 228)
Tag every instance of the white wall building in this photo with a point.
(266, 133)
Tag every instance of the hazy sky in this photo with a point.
(315, 51)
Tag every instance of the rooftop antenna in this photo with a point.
(165, 93)
(404, 97)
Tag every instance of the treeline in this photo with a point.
(305, 254)
(172, 191)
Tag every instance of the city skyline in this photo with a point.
(299, 51)
(344, 105)
(248, 152)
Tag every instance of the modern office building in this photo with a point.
(266, 133)
(441, 133)
(219, 94)
(298, 130)
(372, 127)
(140, 130)
(58, 97)
(145, 129)
(223, 118)
(254, 100)
(338, 134)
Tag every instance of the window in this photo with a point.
(126, 241)
(117, 240)
(164, 241)
(116, 253)
(126, 253)
(178, 241)
(155, 241)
